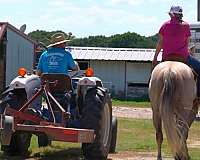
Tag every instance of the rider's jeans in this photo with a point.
(195, 64)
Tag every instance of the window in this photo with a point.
(197, 50)
(83, 65)
(138, 84)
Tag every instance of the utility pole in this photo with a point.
(198, 10)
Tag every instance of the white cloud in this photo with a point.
(138, 2)
(57, 4)
(3, 2)
(92, 17)
(127, 2)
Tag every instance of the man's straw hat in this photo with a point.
(57, 38)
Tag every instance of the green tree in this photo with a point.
(45, 37)
(125, 40)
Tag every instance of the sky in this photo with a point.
(93, 17)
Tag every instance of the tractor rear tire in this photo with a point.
(97, 115)
(19, 144)
(20, 141)
(114, 135)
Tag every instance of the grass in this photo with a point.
(139, 136)
(133, 135)
(57, 151)
(131, 103)
(136, 135)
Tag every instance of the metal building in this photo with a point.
(195, 36)
(16, 50)
(124, 71)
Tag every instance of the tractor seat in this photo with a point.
(64, 83)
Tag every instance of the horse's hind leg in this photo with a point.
(178, 157)
(159, 135)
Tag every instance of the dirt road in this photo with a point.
(118, 111)
(129, 112)
(127, 155)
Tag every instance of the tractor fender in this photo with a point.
(90, 81)
(29, 82)
(86, 83)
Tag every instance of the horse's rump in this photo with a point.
(172, 90)
(181, 77)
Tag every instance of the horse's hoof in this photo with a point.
(159, 158)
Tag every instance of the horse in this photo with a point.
(173, 98)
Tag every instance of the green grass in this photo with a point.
(57, 151)
(136, 135)
(139, 136)
(133, 135)
(131, 103)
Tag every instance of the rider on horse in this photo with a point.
(174, 38)
(172, 86)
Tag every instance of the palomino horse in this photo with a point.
(172, 92)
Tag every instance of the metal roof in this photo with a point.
(4, 25)
(195, 26)
(117, 54)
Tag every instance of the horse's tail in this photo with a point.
(168, 114)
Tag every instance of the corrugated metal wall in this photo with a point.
(19, 53)
(117, 74)
(138, 72)
(111, 73)
(138, 75)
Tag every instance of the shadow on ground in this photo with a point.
(65, 154)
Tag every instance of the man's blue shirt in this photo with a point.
(56, 60)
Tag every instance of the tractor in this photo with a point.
(57, 107)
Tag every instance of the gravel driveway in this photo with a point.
(137, 113)
(129, 112)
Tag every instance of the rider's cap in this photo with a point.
(176, 10)
(58, 38)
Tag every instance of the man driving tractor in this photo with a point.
(56, 59)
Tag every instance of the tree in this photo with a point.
(45, 37)
(125, 40)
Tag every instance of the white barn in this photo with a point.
(124, 71)
(195, 37)
(16, 50)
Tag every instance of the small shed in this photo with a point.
(16, 50)
(125, 71)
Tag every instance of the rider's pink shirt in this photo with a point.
(175, 35)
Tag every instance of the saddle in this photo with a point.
(175, 57)
(178, 58)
